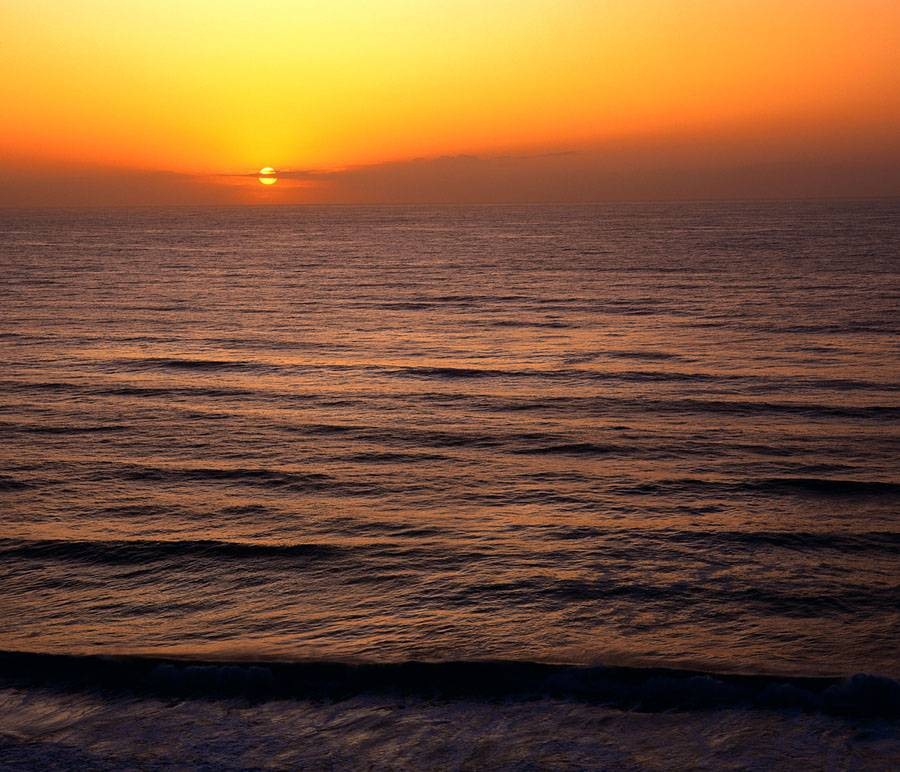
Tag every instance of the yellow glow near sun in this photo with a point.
(267, 176)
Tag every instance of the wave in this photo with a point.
(171, 391)
(611, 404)
(236, 474)
(175, 363)
(8, 483)
(650, 356)
(391, 457)
(586, 405)
(764, 382)
(872, 541)
(630, 688)
(793, 601)
(127, 552)
(63, 430)
(133, 390)
(297, 482)
(811, 486)
(854, 542)
(458, 372)
(751, 408)
(572, 449)
(552, 325)
(560, 374)
(826, 486)
(626, 543)
(271, 479)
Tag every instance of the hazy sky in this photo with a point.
(180, 101)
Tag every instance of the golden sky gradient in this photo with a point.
(183, 100)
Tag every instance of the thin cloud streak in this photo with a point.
(853, 164)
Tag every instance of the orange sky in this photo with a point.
(173, 100)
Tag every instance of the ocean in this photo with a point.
(598, 486)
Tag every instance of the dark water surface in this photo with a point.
(654, 436)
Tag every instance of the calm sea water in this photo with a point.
(642, 436)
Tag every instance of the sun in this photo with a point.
(268, 176)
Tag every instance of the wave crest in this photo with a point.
(641, 689)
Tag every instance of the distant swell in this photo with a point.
(641, 689)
